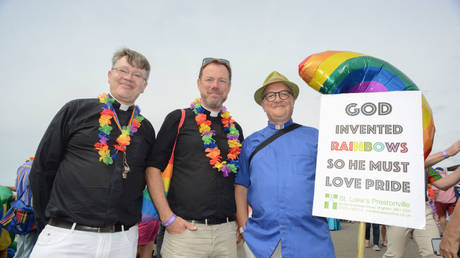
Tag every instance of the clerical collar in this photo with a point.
(279, 126)
(211, 113)
(122, 107)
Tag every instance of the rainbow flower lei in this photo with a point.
(231, 164)
(124, 139)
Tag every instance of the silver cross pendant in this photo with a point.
(126, 168)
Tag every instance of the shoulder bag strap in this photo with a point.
(181, 122)
(272, 138)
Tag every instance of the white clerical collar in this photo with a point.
(123, 107)
(213, 114)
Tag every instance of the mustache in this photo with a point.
(214, 91)
(129, 82)
(280, 103)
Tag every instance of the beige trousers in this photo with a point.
(207, 241)
(397, 238)
(276, 254)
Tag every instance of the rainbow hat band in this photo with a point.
(335, 72)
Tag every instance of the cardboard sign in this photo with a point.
(370, 158)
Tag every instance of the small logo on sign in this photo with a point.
(331, 199)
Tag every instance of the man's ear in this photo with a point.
(145, 86)
(109, 74)
(262, 104)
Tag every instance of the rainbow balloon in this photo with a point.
(335, 72)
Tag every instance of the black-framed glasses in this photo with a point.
(283, 95)
(124, 72)
(210, 59)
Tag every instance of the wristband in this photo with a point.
(444, 153)
(169, 221)
(242, 229)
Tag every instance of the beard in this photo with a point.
(213, 102)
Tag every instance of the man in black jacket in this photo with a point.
(199, 211)
(89, 170)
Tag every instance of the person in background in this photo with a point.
(444, 202)
(398, 236)
(383, 232)
(147, 233)
(449, 246)
(334, 224)
(25, 243)
(457, 186)
(375, 236)
(6, 239)
(435, 158)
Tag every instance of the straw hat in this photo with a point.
(275, 77)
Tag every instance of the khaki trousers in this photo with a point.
(249, 254)
(207, 241)
(398, 237)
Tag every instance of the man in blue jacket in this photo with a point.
(278, 182)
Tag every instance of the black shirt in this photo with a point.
(68, 180)
(197, 190)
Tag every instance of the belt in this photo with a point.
(62, 223)
(212, 221)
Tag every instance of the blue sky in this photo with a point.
(55, 51)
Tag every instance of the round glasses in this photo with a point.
(125, 72)
(283, 95)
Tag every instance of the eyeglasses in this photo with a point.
(125, 72)
(271, 96)
(210, 59)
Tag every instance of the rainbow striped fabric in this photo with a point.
(22, 183)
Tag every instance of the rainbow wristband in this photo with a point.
(169, 221)
(444, 153)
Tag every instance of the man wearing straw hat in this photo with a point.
(277, 181)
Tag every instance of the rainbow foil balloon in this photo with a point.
(335, 72)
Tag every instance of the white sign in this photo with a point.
(370, 158)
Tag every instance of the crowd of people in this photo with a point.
(98, 155)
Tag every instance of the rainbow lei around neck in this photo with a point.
(210, 146)
(108, 112)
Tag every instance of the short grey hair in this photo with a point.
(135, 59)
